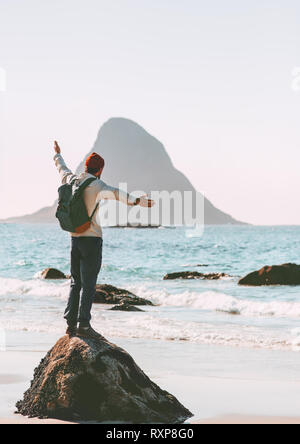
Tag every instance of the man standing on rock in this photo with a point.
(86, 246)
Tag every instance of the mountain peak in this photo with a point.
(135, 157)
(124, 126)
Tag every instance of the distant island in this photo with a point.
(138, 226)
(135, 157)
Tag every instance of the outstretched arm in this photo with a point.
(65, 173)
(111, 193)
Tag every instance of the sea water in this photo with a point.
(195, 311)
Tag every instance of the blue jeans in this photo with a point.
(86, 261)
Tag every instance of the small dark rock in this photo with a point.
(286, 274)
(52, 274)
(194, 275)
(107, 294)
(233, 312)
(124, 306)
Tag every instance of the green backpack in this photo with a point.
(71, 212)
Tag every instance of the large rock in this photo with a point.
(52, 273)
(194, 275)
(84, 379)
(107, 294)
(286, 274)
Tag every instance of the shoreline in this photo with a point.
(223, 420)
(249, 420)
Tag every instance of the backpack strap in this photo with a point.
(82, 187)
(94, 212)
(86, 183)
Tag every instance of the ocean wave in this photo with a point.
(148, 327)
(34, 287)
(194, 265)
(208, 300)
(22, 263)
(45, 315)
(220, 302)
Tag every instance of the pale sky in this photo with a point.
(212, 80)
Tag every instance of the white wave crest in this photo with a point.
(149, 327)
(220, 302)
(35, 287)
(207, 300)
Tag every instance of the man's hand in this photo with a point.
(57, 148)
(145, 202)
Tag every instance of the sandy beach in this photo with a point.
(249, 420)
(24, 421)
(241, 387)
(226, 420)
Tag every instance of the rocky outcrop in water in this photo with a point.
(107, 294)
(53, 274)
(286, 274)
(194, 275)
(124, 306)
(137, 226)
(94, 380)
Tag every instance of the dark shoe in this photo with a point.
(71, 331)
(88, 332)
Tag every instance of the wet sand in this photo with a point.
(230, 420)
(23, 420)
(260, 386)
(249, 420)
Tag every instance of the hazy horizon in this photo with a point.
(211, 81)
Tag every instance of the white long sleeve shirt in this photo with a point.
(93, 194)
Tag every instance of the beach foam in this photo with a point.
(220, 302)
(199, 317)
(205, 300)
(34, 287)
(148, 326)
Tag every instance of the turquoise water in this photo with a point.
(195, 311)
